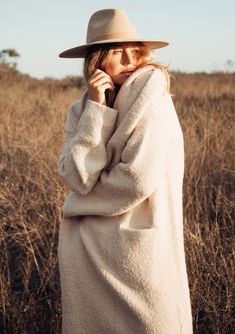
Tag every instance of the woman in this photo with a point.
(121, 249)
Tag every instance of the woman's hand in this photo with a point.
(97, 85)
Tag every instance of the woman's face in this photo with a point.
(122, 61)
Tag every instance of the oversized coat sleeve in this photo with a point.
(84, 154)
(134, 178)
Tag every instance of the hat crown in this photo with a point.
(108, 24)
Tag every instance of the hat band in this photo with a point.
(118, 35)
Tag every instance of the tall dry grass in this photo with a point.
(32, 114)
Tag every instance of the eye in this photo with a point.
(116, 52)
(135, 51)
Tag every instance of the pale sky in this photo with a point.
(201, 33)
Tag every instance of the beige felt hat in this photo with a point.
(110, 26)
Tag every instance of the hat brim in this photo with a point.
(80, 51)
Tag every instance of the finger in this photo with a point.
(107, 85)
(99, 80)
(98, 70)
(102, 81)
(98, 75)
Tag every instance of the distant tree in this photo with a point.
(9, 57)
(229, 65)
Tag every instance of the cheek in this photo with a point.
(111, 69)
(113, 65)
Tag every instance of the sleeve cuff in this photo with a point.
(97, 109)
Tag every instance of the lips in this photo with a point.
(128, 71)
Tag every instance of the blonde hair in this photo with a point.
(98, 57)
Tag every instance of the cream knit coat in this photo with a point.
(121, 247)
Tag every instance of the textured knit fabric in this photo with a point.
(121, 246)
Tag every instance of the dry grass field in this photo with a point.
(32, 114)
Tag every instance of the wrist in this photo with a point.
(98, 99)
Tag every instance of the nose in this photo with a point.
(128, 57)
